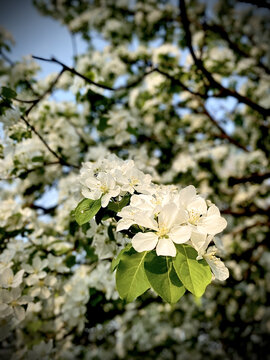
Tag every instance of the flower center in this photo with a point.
(133, 182)
(162, 232)
(194, 217)
(104, 189)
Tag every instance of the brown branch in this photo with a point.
(25, 101)
(48, 91)
(248, 227)
(74, 48)
(28, 171)
(179, 82)
(212, 82)
(33, 129)
(6, 58)
(89, 81)
(246, 212)
(224, 135)
(59, 157)
(258, 3)
(256, 178)
(45, 210)
(124, 87)
(12, 64)
(215, 28)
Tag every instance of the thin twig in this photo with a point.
(28, 171)
(215, 28)
(61, 160)
(248, 227)
(255, 178)
(224, 135)
(12, 64)
(179, 82)
(212, 82)
(74, 48)
(48, 91)
(123, 87)
(89, 81)
(246, 212)
(6, 58)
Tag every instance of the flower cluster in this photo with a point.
(107, 178)
(161, 215)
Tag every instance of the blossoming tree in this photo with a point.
(157, 166)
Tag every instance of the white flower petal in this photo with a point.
(198, 240)
(198, 205)
(89, 194)
(180, 234)
(165, 247)
(19, 312)
(144, 241)
(187, 194)
(218, 267)
(44, 293)
(105, 200)
(6, 277)
(124, 224)
(18, 278)
(145, 221)
(168, 216)
(211, 224)
(182, 216)
(213, 210)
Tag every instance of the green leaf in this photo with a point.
(70, 261)
(86, 210)
(163, 278)
(131, 280)
(110, 231)
(102, 123)
(37, 159)
(194, 274)
(8, 93)
(117, 206)
(115, 261)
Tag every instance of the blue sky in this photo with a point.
(36, 34)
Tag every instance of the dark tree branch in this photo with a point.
(256, 178)
(89, 81)
(74, 48)
(212, 82)
(180, 83)
(224, 135)
(259, 3)
(248, 227)
(62, 161)
(246, 212)
(59, 157)
(43, 209)
(235, 47)
(6, 58)
(48, 91)
(12, 63)
(25, 101)
(28, 171)
(124, 87)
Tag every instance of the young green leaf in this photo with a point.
(115, 261)
(118, 205)
(163, 278)
(86, 210)
(131, 280)
(194, 274)
(8, 93)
